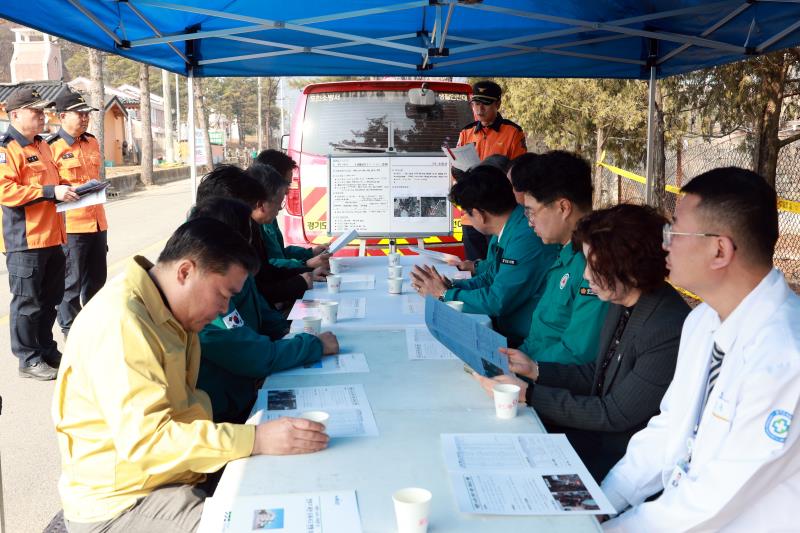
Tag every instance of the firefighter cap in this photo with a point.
(486, 92)
(26, 97)
(72, 101)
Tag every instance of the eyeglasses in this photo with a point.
(531, 212)
(667, 234)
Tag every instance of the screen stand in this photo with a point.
(392, 246)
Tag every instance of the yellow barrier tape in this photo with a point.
(783, 205)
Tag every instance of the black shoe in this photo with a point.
(39, 370)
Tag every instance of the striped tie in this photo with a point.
(713, 371)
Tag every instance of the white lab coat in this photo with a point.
(744, 473)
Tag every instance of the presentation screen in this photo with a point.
(389, 195)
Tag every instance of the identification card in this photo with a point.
(681, 469)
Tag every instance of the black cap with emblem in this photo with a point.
(72, 101)
(26, 97)
(486, 92)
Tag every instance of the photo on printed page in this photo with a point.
(570, 493)
(407, 207)
(433, 206)
(281, 400)
(268, 519)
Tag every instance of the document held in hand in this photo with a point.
(342, 241)
(462, 157)
(470, 341)
(92, 192)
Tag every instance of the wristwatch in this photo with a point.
(441, 296)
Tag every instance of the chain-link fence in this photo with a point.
(699, 156)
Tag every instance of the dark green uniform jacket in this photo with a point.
(566, 323)
(511, 283)
(237, 353)
(280, 255)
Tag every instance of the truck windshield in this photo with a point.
(358, 121)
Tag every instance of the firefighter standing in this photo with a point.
(32, 234)
(491, 134)
(78, 157)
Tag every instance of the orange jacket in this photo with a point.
(501, 137)
(28, 177)
(78, 161)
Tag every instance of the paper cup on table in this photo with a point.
(506, 400)
(329, 312)
(334, 283)
(457, 305)
(395, 285)
(312, 325)
(412, 508)
(320, 417)
(335, 265)
(394, 259)
(396, 271)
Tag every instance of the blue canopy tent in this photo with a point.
(492, 38)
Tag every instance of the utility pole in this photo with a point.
(168, 146)
(260, 128)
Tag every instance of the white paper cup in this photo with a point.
(394, 259)
(412, 508)
(312, 324)
(457, 305)
(335, 265)
(334, 283)
(321, 417)
(329, 312)
(395, 285)
(396, 271)
(506, 399)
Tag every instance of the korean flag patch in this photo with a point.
(2, 158)
(233, 320)
(777, 426)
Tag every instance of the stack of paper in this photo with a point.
(520, 474)
(420, 344)
(317, 512)
(351, 414)
(349, 308)
(343, 363)
(462, 157)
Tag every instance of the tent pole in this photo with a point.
(190, 124)
(651, 124)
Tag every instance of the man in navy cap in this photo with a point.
(492, 135)
(79, 159)
(32, 233)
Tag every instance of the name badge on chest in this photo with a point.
(723, 409)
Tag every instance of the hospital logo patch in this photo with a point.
(563, 282)
(233, 320)
(777, 426)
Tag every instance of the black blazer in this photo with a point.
(599, 424)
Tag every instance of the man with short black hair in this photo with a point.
(279, 254)
(134, 432)
(32, 234)
(566, 322)
(511, 285)
(241, 347)
(492, 135)
(721, 449)
(277, 285)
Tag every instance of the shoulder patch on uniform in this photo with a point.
(68, 155)
(777, 425)
(233, 320)
(470, 126)
(510, 123)
(32, 159)
(508, 261)
(563, 282)
(587, 291)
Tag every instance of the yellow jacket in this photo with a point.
(127, 414)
